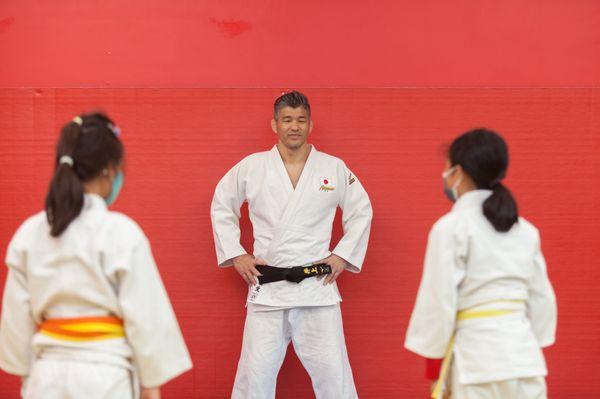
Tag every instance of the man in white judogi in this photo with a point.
(292, 192)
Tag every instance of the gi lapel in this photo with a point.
(295, 195)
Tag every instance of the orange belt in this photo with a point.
(83, 328)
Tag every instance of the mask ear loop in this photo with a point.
(454, 187)
(448, 173)
(106, 174)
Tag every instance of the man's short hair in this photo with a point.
(293, 99)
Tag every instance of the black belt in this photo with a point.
(295, 274)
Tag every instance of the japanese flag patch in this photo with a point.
(326, 184)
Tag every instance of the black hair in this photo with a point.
(87, 145)
(293, 99)
(483, 155)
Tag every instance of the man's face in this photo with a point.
(292, 126)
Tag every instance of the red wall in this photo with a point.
(181, 139)
(309, 43)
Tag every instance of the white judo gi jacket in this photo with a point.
(470, 264)
(292, 227)
(100, 265)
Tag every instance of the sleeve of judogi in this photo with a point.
(357, 214)
(160, 353)
(17, 325)
(541, 305)
(225, 215)
(432, 321)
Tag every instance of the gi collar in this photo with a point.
(93, 201)
(471, 199)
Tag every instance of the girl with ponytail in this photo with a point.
(88, 155)
(85, 313)
(485, 305)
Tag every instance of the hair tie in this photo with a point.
(495, 183)
(65, 159)
(78, 120)
(115, 129)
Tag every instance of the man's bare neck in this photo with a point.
(294, 156)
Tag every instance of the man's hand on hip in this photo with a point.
(246, 267)
(338, 265)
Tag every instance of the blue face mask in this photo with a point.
(448, 193)
(117, 183)
(451, 193)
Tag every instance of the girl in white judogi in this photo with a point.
(485, 303)
(85, 313)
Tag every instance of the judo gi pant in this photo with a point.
(71, 379)
(517, 388)
(318, 338)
